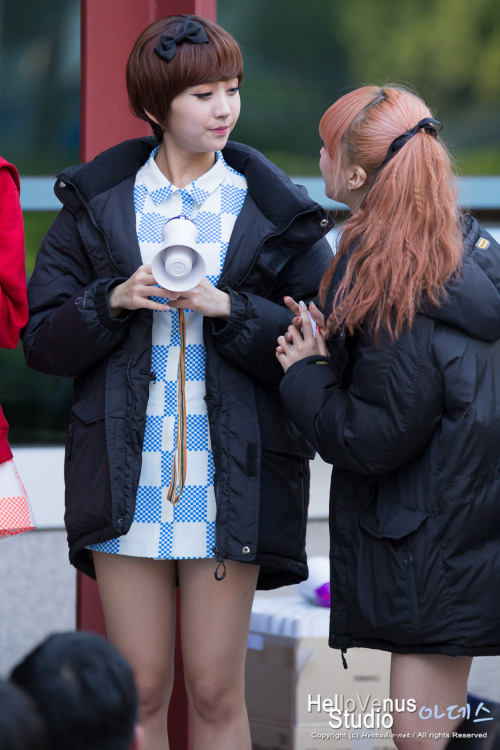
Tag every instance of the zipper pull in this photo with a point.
(344, 661)
(408, 551)
(152, 375)
(219, 576)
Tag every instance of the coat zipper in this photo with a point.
(303, 478)
(412, 589)
(220, 560)
(131, 386)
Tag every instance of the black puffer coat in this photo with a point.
(261, 461)
(413, 429)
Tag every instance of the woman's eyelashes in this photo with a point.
(204, 95)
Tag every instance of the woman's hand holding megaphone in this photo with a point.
(136, 293)
(205, 299)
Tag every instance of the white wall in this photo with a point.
(41, 470)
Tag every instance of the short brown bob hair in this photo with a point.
(152, 83)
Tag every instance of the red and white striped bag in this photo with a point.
(16, 515)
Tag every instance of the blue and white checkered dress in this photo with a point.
(186, 530)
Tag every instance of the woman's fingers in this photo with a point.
(321, 342)
(205, 299)
(304, 336)
(282, 352)
(307, 329)
(295, 308)
(136, 293)
(151, 304)
(292, 305)
(317, 316)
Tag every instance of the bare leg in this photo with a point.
(432, 680)
(138, 599)
(215, 619)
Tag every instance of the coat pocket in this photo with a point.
(86, 472)
(393, 521)
(391, 573)
(284, 499)
(82, 415)
(88, 411)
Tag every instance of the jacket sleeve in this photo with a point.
(13, 302)
(383, 419)
(5, 451)
(70, 328)
(249, 339)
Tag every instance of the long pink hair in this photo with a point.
(405, 240)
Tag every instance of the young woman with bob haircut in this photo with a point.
(180, 464)
(401, 398)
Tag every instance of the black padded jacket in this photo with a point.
(413, 430)
(277, 247)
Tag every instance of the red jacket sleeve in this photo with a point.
(5, 452)
(13, 301)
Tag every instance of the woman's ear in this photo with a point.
(356, 177)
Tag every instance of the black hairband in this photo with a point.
(191, 32)
(428, 125)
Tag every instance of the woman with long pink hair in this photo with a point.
(399, 390)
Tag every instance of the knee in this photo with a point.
(213, 700)
(154, 694)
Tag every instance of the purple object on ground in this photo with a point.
(323, 595)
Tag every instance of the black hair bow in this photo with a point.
(428, 125)
(191, 32)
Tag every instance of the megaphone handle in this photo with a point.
(179, 463)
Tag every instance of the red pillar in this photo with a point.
(109, 29)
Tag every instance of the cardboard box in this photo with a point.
(298, 694)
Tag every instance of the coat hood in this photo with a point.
(473, 300)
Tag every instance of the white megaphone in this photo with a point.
(178, 267)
